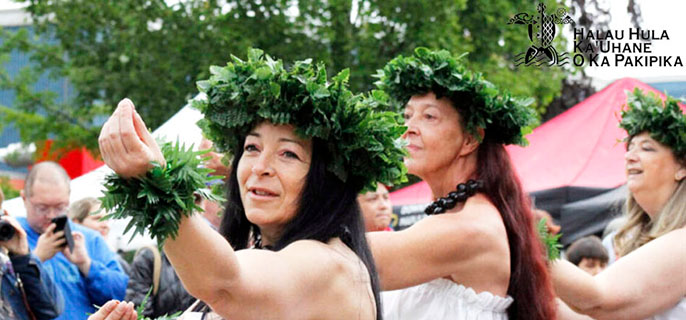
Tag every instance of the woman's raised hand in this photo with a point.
(125, 143)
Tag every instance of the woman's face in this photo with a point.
(650, 165)
(434, 133)
(92, 220)
(271, 174)
(376, 208)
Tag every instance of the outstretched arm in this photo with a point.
(247, 284)
(644, 283)
(255, 284)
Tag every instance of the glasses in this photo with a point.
(45, 210)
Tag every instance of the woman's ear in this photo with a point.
(680, 174)
(471, 142)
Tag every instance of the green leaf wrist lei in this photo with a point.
(158, 201)
(363, 143)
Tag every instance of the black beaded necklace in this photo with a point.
(462, 192)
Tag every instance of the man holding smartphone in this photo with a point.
(88, 274)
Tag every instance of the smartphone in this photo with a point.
(62, 223)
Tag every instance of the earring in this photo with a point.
(678, 176)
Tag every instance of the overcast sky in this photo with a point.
(657, 15)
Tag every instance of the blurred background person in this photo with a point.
(89, 274)
(588, 254)
(376, 209)
(87, 213)
(216, 161)
(28, 292)
(212, 212)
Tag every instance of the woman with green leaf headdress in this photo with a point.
(477, 255)
(303, 147)
(648, 281)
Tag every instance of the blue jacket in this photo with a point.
(106, 280)
(42, 295)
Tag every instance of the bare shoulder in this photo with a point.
(475, 230)
(478, 220)
(307, 251)
(343, 282)
(333, 259)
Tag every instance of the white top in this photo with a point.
(676, 313)
(442, 299)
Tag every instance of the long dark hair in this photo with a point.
(327, 209)
(530, 285)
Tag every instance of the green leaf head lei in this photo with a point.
(505, 119)
(363, 142)
(665, 121)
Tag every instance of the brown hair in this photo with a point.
(530, 285)
(587, 248)
(640, 229)
(79, 210)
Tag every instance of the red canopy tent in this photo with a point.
(79, 162)
(75, 162)
(580, 147)
(571, 168)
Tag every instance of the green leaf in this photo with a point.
(158, 201)
(550, 242)
(502, 117)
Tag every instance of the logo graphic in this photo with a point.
(542, 30)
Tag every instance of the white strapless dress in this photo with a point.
(442, 299)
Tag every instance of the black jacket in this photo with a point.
(42, 294)
(171, 296)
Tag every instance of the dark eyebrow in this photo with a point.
(423, 104)
(292, 141)
(257, 135)
(641, 140)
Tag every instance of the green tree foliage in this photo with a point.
(7, 189)
(154, 52)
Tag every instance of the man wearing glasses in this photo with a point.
(87, 275)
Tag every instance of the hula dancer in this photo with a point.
(477, 255)
(303, 147)
(649, 279)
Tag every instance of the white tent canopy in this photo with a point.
(181, 126)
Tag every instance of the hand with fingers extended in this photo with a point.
(79, 256)
(115, 310)
(49, 243)
(125, 143)
(17, 244)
